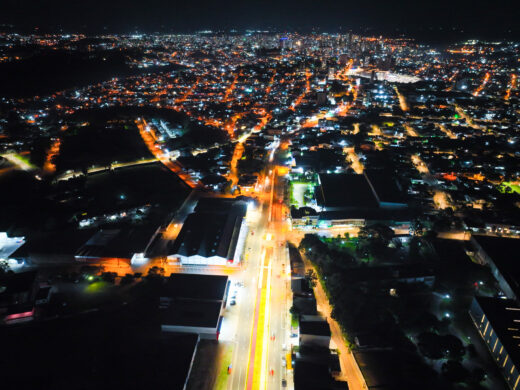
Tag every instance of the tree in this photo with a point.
(478, 375)
(430, 346)
(127, 279)
(417, 320)
(311, 278)
(109, 277)
(455, 371)
(453, 346)
(3, 267)
(155, 272)
(417, 227)
(294, 310)
(434, 346)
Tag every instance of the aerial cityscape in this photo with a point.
(258, 208)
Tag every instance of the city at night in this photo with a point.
(259, 195)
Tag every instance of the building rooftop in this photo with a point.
(385, 186)
(373, 214)
(212, 230)
(504, 316)
(204, 314)
(195, 287)
(116, 243)
(316, 328)
(380, 369)
(503, 252)
(346, 191)
(311, 376)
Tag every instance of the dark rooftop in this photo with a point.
(380, 369)
(123, 349)
(195, 286)
(504, 253)
(116, 243)
(192, 313)
(311, 376)
(346, 191)
(385, 185)
(212, 230)
(317, 328)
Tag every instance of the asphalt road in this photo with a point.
(262, 318)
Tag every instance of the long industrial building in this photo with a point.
(213, 235)
(497, 323)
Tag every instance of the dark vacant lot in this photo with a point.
(98, 145)
(50, 71)
(123, 349)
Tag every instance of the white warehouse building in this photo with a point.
(213, 235)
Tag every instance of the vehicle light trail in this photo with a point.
(258, 352)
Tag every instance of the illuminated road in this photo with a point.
(468, 119)
(452, 80)
(410, 131)
(262, 323)
(446, 131)
(70, 175)
(281, 296)
(251, 306)
(511, 86)
(299, 99)
(17, 161)
(149, 139)
(402, 100)
(233, 171)
(477, 92)
(440, 198)
(48, 166)
(353, 159)
(376, 131)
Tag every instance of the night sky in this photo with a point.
(479, 19)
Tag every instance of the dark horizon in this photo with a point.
(441, 21)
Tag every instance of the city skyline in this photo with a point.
(258, 210)
(441, 20)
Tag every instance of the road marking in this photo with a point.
(254, 328)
